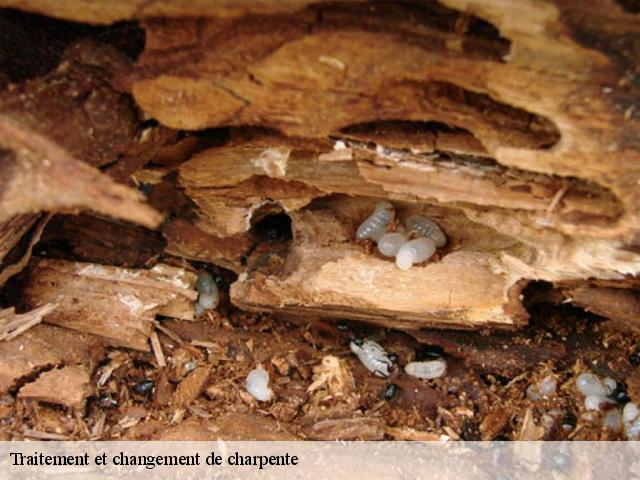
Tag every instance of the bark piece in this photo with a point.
(41, 347)
(68, 386)
(191, 387)
(114, 303)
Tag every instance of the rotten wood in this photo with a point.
(44, 346)
(116, 304)
(18, 236)
(68, 386)
(13, 324)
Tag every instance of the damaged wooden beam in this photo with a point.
(116, 304)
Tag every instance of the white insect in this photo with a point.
(375, 226)
(631, 420)
(414, 251)
(425, 227)
(389, 244)
(590, 384)
(427, 370)
(257, 384)
(373, 356)
(208, 293)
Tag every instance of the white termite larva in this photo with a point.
(373, 356)
(208, 293)
(427, 370)
(415, 251)
(257, 384)
(389, 244)
(377, 223)
(425, 227)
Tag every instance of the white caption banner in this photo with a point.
(323, 460)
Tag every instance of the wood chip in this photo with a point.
(157, 350)
(191, 387)
(68, 386)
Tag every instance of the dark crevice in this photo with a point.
(450, 108)
(31, 377)
(631, 6)
(32, 45)
(427, 24)
(274, 228)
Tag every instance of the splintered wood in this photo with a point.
(13, 324)
(116, 304)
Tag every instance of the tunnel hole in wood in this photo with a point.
(453, 112)
(274, 228)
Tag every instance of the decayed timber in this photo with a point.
(116, 304)
(514, 125)
(68, 386)
(17, 238)
(53, 128)
(13, 324)
(41, 347)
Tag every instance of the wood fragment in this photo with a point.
(157, 350)
(12, 232)
(191, 387)
(494, 423)
(68, 386)
(44, 346)
(411, 434)
(12, 324)
(114, 303)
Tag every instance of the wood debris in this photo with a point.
(191, 387)
(13, 324)
(68, 386)
(41, 347)
(117, 304)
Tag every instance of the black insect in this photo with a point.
(620, 393)
(145, 387)
(390, 392)
(569, 422)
